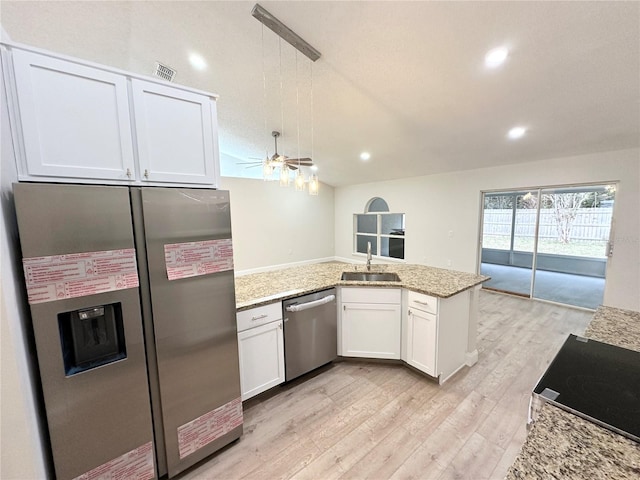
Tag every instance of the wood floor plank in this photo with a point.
(386, 457)
(433, 455)
(510, 453)
(475, 461)
(287, 463)
(369, 420)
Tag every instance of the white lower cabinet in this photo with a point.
(370, 323)
(436, 333)
(261, 350)
(422, 335)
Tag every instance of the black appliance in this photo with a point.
(596, 381)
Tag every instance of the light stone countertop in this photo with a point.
(615, 326)
(263, 288)
(564, 446)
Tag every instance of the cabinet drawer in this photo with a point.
(423, 302)
(259, 316)
(371, 295)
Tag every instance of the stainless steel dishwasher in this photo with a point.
(310, 332)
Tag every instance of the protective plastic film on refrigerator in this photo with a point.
(132, 301)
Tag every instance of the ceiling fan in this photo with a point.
(277, 160)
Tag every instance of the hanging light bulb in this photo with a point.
(267, 170)
(313, 185)
(299, 178)
(299, 182)
(284, 175)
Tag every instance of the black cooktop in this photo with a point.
(597, 381)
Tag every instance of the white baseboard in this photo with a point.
(471, 358)
(271, 268)
(346, 260)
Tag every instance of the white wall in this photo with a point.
(21, 444)
(273, 225)
(438, 205)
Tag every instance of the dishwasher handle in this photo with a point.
(305, 306)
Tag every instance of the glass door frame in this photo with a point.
(539, 190)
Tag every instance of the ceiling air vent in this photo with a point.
(164, 72)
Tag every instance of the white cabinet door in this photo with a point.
(370, 330)
(175, 134)
(422, 341)
(74, 118)
(261, 352)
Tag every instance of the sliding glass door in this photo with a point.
(549, 244)
(508, 235)
(575, 225)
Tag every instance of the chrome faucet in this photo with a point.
(368, 256)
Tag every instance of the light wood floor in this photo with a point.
(357, 420)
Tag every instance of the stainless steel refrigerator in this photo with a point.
(132, 299)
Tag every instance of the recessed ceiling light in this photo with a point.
(496, 57)
(197, 61)
(314, 168)
(516, 132)
(365, 156)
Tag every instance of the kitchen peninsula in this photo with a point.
(563, 445)
(426, 317)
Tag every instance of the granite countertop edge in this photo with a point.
(470, 281)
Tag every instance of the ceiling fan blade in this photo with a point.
(292, 167)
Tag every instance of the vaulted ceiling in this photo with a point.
(404, 81)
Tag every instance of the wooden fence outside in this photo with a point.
(589, 224)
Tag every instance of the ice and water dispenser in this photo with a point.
(91, 337)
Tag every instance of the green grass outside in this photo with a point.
(579, 248)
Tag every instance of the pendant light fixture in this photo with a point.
(284, 175)
(270, 164)
(299, 180)
(267, 166)
(314, 185)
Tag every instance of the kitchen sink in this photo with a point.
(370, 277)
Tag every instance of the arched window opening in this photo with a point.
(378, 226)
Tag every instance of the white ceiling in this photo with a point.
(402, 80)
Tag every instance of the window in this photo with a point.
(384, 230)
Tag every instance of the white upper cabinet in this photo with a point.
(175, 134)
(75, 119)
